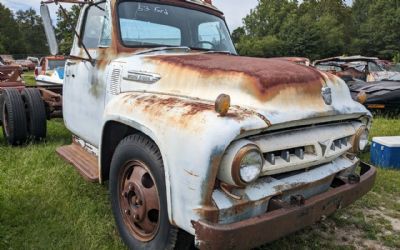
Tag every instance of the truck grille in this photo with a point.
(304, 148)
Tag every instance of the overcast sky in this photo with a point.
(235, 10)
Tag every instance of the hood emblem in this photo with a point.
(142, 77)
(326, 93)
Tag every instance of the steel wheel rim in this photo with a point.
(139, 200)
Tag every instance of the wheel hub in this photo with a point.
(139, 202)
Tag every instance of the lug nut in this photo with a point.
(131, 187)
(127, 212)
(136, 217)
(139, 202)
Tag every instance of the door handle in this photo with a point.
(71, 63)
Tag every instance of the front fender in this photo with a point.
(192, 138)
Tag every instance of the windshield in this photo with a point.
(53, 64)
(156, 25)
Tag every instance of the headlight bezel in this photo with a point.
(237, 164)
(362, 133)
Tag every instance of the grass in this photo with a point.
(29, 78)
(45, 204)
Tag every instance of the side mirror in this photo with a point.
(49, 29)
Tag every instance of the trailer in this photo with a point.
(24, 110)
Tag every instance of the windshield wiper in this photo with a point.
(220, 52)
(184, 48)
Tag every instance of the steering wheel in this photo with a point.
(206, 42)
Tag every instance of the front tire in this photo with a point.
(138, 195)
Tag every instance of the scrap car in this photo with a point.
(199, 145)
(50, 70)
(24, 110)
(25, 64)
(380, 95)
(375, 95)
(363, 68)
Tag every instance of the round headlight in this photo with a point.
(247, 165)
(360, 141)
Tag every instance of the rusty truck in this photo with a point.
(200, 146)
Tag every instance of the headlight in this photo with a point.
(242, 164)
(360, 140)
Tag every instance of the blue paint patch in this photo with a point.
(60, 72)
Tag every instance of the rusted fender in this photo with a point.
(192, 138)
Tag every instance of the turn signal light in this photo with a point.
(222, 104)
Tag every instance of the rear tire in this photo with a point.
(35, 113)
(138, 195)
(14, 118)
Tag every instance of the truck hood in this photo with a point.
(280, 91)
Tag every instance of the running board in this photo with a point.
(85, 162)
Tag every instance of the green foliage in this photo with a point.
(396, 58)
(321, 28)
(10, 39)
(32, 32)
(23, 32)
(65, 28)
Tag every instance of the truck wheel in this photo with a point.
(35, 113)
(14, 120)
(138, 196)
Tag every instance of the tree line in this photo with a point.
(22, 33)
(321, 28)
(309, 28)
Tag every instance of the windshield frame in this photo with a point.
(185, 5)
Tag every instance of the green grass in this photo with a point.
(29, 78)
(45, 204)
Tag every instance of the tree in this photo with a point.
(11, 40)
(377, 27)
(65, 28)
(314, 28)
(32, 32)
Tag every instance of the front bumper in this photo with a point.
(275, 224)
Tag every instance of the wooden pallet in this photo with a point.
(85, 162)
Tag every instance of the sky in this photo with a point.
(235, 10)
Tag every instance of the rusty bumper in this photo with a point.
(275, 224)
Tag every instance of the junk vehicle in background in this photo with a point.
(369, 83)
(363, 68)
(35, 60)
(50, 71)
(200, 145)
(24, 110)
(26, 64)
(379, 95)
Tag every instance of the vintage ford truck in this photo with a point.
(202, 147)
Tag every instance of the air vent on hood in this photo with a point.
(115, 80)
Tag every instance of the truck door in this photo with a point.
(84, 84)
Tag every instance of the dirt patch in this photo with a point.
(387, 216)
(353, 236)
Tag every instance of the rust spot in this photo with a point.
(263, 78)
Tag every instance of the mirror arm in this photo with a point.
(91, 60)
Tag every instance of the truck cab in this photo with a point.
(198, 144)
